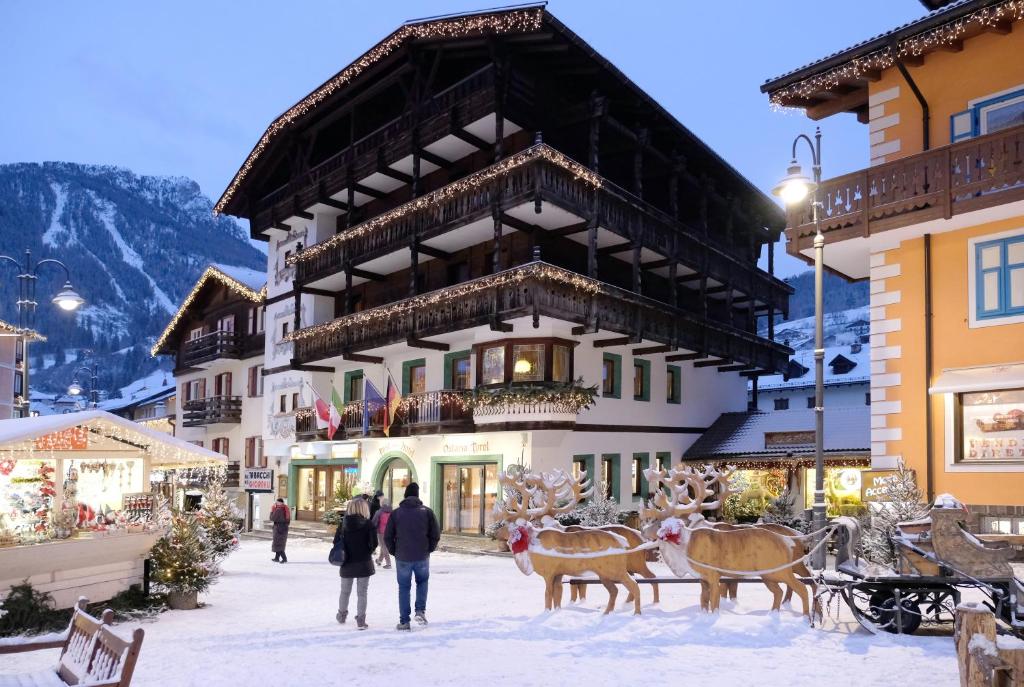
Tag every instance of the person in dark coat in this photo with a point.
(375, 502)
(412, 534)
(360, 539)
(281, 516)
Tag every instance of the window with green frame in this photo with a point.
(353, 390)
(414, 376)
(673, 384)
(611, 375)
(641, 380)
(638, 478)
(610, 472)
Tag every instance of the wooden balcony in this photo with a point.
(458, 105)
(938, 184)
(535, 290)
(305, 426)
(210, 347)
(213, 410)
(540, 178)
(432, 412)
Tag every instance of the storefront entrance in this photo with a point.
(396, 477)
(315, 487)
(469, 495)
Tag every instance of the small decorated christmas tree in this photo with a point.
(182, 559)
(599, 509)
(221, 519)
(901, 501)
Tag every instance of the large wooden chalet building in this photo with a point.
(482, 203)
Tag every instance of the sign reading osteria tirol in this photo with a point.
(454, 448)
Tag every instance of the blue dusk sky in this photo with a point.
(187, 87)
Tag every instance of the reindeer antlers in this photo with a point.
(683, 482)
(543, 492)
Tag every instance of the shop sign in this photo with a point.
(70, 439)
(259, 480)
(873, 484)
(345, 449)
(455, 448)
(399, 447)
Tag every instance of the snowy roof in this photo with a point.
(256, 294)
(19, 435)
(254, 279)
(155, 386)
(31, 335)
(783, 433)
(859, 374)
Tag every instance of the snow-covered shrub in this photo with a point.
(221, 519)
(901, 501)
(183, 559)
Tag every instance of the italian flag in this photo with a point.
(334, 421)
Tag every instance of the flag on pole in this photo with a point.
(336, 406)
(321, 409)
(393, 401)
(372, 402)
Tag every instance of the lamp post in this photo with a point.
(67, 299)
(75, 389)
(793, 189)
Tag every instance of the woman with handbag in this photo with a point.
(357, 538)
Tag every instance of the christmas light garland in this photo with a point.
(512, 277)
(783, 462)
(541, 151)
(955, 30)
(29, 334)
(516, 21)
(235, 286)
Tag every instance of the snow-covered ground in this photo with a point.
(271, 624)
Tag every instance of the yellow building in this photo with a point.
(936, 223)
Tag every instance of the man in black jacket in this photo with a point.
(412, 535)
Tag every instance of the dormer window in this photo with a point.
(841, 365)
(524, 360)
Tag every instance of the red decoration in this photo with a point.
(70, 439)
(518, 538)
(6, 466)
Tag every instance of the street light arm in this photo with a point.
(88, 372)
(11, 260)
(67, 272)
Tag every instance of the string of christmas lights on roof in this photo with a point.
(783, 462)
(512, 277)
(516, 21)
(29, 334)
(235, 286)
(541, 151)
(956, 30)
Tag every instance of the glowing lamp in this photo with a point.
(68, 299)
(794, 187)
(523, 367)
(75, 389)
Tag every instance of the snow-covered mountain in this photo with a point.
(134, 245)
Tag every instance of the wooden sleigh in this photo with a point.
(90, 654)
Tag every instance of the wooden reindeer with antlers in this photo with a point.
(553, 553)
(561, 488)
(690, 545)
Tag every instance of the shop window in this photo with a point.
(990, 426)
(782, 404)
(493, 365)
(528, 362)
(561, 364)
(458, 374)
(641, 380)
(810, 401)
(673, 384)
(611, 375)
(1002, 524)
(999, 278)
(842, 490)
(756, 489)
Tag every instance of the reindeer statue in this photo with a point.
(561, 488)
(553, 553)
(690, 545)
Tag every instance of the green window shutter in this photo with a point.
(449, 361)
(677, 384)
(616, 360)
(407, 373)
(616, 474)
(346, 393)
(645, 462)
(663, 460)
(590, 465)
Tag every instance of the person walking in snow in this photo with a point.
(359, 537)
(412, 534)
(379, 520)
(281, 516)
(375, 502)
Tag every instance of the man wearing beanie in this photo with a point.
(412, 535)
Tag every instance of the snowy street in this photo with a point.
(266, 623)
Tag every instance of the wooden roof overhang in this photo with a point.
(839, 83)
(530, 32)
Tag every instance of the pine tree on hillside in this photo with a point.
(902, 501)
(221, 519)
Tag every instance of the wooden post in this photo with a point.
(414, 266)
(637, 281)
(351, 182)
(496, 254)
(971, 620)
(500, 67)
(638, 162)
(673, 286)
(348, 288)
(594, 140)
(673, 186)
(592, 237)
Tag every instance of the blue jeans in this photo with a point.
(405, 571)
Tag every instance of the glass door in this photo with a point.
(470, 492)
(305, 494)
(397, 477)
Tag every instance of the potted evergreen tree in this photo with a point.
(183, 562)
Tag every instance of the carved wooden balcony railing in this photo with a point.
(305, 426)
(534, 290)
(210, 347)
(439, 409)
(457, 105)
(937, 184)
(212, 410)
(541, 179)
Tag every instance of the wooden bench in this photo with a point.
(90, 654)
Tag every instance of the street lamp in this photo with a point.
(794, 188)
(67, 299)
(75, 389)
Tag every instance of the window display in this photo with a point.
(992, 426)
(842, 490)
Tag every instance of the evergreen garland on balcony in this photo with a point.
(573, 396)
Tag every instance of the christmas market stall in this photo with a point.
(78, 500)
(774, 454)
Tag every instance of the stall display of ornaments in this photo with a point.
(29, 489)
